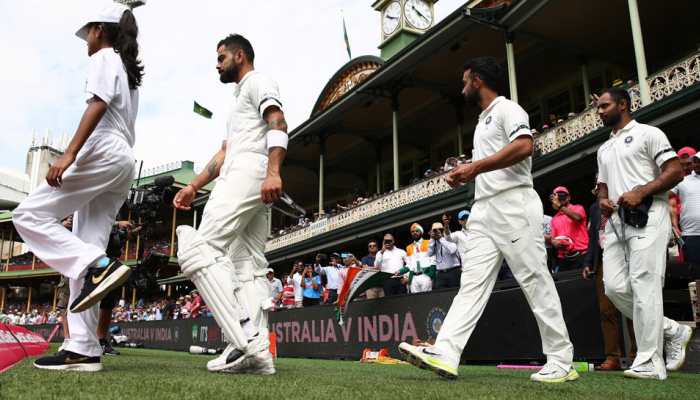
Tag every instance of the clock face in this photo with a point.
(419, 14)
(391, 18)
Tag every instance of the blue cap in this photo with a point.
(464, 214)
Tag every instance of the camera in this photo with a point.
(147, 202)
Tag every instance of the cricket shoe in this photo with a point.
(552, 373)
(428, 357)
(107, 348)
(675, 348)
(103, 276)
(260, 363)
(645, 371)
(68, 361)
(232, 357)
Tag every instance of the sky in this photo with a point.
(298, 43)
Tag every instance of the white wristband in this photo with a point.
(277, 138)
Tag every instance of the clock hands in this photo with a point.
(419, 13)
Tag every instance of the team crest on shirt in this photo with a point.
(488, 120)
(628, 139)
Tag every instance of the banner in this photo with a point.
(17, 343)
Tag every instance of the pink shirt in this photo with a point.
(562, 225)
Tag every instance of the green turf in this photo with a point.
(154, 375)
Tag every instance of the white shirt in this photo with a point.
(275, 287)
(633, 157)
(298, 291)
(332, 276)
(107, 80)
(445, 253)
(460, 238)
(499, 124)
(246, 129)
(391, 261)
(689, 192)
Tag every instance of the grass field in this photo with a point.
(154, 375)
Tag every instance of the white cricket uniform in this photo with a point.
(505, 222)
(632, 157)
(94, 188)
(234, 222)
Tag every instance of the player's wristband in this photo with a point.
(277, 138)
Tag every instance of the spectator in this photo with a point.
(686, 155)
(547, 229)
(311, 284)
(368, 262)
(196, 306)
(296, 279)
(460, 237)
(569, 234)
(689, 192)
(331, 272)
(288, 293)
(275, 287)
(420, 266)
(609, 315)
(449, 265)
(391, 259)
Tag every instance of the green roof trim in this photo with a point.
(183, 175)
(37, 273)
(6, 216)
(173, 279)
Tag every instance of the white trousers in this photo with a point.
(508, 225)
(421, 283)
(636, 288)
(93, 190)
(234, 224)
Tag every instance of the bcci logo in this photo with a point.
(488, 120)
(628, 139)
(434, 321)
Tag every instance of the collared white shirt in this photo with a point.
(633, 157)
(499, 124)
(391, 261)
(689, 192)
(460, 238)
(246, 129)
(332, 273)
(445, 253)
(298, 291)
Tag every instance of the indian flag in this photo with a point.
(357, 282)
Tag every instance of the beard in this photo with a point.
(611, 120)
(229, 75)
(472, 98)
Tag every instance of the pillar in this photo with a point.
(586, 84)
(510, 57)
(172, 235)
(321, 173)
(9, 253)
(55, 297)
(395, 138)
(459, 113)
(29, 299)
(639, 55)
(170, 289)
(2, 299)
(133, 297)
(194, 218)
(33, 261)
(123, 292)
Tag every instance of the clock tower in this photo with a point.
(402, 22)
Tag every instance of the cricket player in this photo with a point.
(225, 257)
(506, 222)
(92, 180)
(638, 166)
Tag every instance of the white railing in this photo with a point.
(402, 197)
(662, 84)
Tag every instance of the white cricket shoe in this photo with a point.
(219, 363)
(675, 348)
(644, 371)
(260, 363)
(552, 373)
(428, 357)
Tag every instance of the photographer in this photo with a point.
(311, 284)
(449, 265)
(569, 231)
(391, 259)
(637, 167)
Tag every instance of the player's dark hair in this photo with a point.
(488, 70)
(618, 94)
(122, 37)
(322, 258)
(236, 41)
